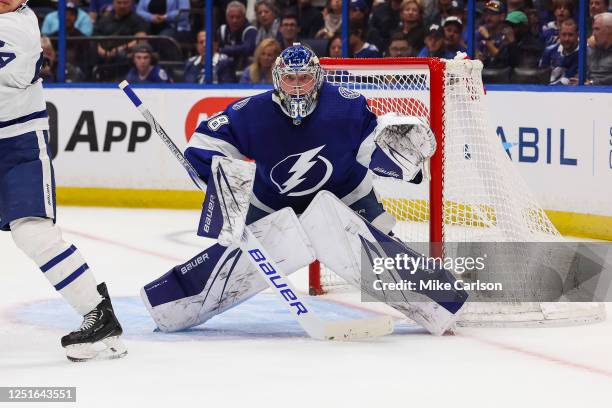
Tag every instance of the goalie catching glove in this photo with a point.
(405, 140)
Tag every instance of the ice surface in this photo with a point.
(256, 355)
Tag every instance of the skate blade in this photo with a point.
(106, 349)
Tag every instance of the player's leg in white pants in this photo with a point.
(27, 209)
(59, 261)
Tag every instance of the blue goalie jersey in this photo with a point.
(330, 150)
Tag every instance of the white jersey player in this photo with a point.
(314, 145)
(27, 188)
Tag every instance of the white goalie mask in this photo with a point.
(297, 76)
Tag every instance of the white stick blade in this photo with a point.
(345, 330)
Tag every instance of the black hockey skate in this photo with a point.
(98, 336)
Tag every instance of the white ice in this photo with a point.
(256, 356)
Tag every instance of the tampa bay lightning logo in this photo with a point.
(348, 94)
(302, 173)
(240, 104)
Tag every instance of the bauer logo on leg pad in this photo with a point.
(211, 219)
(278, 281)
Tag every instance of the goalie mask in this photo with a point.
(297, 77)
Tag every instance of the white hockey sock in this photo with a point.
(62, 263)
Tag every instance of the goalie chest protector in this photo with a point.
(294, 162)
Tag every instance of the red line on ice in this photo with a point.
(123, 245)
(540, 356)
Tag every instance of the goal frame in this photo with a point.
(436, 69)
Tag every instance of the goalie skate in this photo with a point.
(98, 336)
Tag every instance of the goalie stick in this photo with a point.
(312, 324)
(125, 87)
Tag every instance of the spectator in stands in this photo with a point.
(334, 46)
(399, 47)
(534, 19)
(359, 16)
(195, 66)
(457, 9)
(489, 36)
(599, 58)
(359, 48)
(595, 7)
(562, 58)
(77, 51)
(70, 20)
(434, 42)
(99, 8)
(83, 23)
(48, 69)
(236, 39)
(429, 9)
(440, 13)
(519, 48)
(145, 68)
(166, 17)
(121, 21)
(562, 9)
(411, 24)
(516, 5)
(268, 22)
(260, 71)
(220, 7)
(453, 27)
(386, 18)
(310, 18)
(332, 19)
(289, 30)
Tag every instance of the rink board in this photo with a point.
(105, 154)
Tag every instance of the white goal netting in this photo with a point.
(475, 193)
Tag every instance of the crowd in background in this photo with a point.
(518, 41)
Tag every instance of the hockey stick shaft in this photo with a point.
(316, 327)
(127, 89)
(269, 270)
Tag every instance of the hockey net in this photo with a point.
(474, 193)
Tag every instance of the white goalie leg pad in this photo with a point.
(62, 263)
(335, 230)
(233, 279)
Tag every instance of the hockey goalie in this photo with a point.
(309, 196)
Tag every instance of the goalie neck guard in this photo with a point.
(297, 76)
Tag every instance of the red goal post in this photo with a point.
(434, 112)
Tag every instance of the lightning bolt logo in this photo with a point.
(305, 161)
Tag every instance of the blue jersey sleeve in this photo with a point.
(213, 137)
(366, 145)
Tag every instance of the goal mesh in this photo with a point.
(475, 194)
